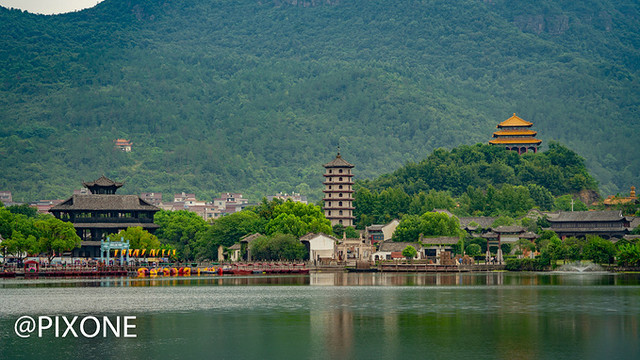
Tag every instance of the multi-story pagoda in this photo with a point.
(338, 192)
(96, 215)
(515, 134)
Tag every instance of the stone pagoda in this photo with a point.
(515, 134)
(338, 192)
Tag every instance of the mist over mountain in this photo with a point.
(254, 96)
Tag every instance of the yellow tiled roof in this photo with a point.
(515, 133)
(516, 141)
(514, 121)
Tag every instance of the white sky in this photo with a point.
(49, 6)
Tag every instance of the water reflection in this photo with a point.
(339, 315)
(344, 279)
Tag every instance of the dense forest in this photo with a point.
(253, 96)
(480, 180)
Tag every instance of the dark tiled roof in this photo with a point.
(90, 243)
(490, 235)
(392, 246)
(250, 238)
(590, 230)
(482, 221)
(587, 216)
(310, 236)
(375, 227)
(103, 181)
(104, 202)
(443, 211)
(235, 246)
(441, 240)
(508, 229)
(634, 222)
(529, 235)
(115, 225)
(338, 162)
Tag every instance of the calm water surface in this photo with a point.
(337, 316)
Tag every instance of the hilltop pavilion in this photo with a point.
(515, 134)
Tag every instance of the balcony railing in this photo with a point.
(111, 220)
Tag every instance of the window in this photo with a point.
(340, 187)
(340, 195)
(340, 212)
(340, 203)
(340, 171)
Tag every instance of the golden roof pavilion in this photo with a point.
(515, 134)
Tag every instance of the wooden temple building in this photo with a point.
(338, 192)
(605, 224)
(101, 213)
(516, 134)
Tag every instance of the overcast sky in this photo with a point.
(49, 6)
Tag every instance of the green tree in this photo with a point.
(503, 221)
(557, 249)
(525, 244)
(629, 254)
(19, 244)
(575, 248)
(599, 250)
(180, 229)
(227, 231)
(23, 209)
(56, 236)
(473, 250)
(541, 196)
(427, 224)
(351, 232)
(138, 238)
(409, 252)
(564, 203)
(297, 219)
(278, 247)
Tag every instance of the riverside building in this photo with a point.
(102, 212)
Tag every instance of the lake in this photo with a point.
(494, 315)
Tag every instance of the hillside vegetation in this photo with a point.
(254, 96)
(479, 180)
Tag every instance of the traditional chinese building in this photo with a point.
(338, 192)
(379, 233)
(605, 224)
(516, 134)
(621, 200)
(102, 212)
(123, 144)
(5, 197)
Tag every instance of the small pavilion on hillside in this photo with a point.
(516, 134)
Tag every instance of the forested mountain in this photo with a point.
(254, 96)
